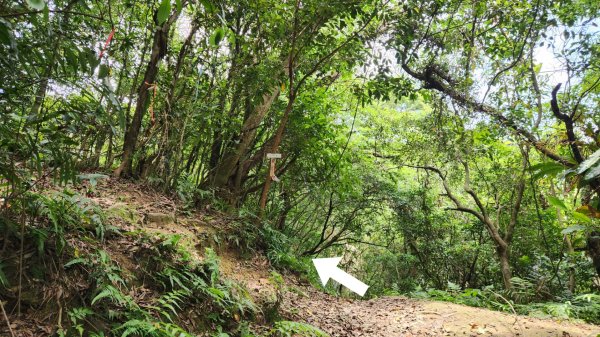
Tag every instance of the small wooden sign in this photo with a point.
(273, 155)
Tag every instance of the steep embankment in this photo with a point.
(133, 208)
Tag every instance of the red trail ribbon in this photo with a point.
(110, 36)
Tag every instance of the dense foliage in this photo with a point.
(446, 149)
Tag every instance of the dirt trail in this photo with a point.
(339, 317)
(400, 316)
(391, 316)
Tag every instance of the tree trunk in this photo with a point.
(570, 250)
(94, 161)
(593, 246)
(502, 252)
(227, 166)
(159, 50)
(492, 227)
(275, 148)
(109, 154)
(41, 92)
(218, 134)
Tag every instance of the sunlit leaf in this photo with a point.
(208, 6)
(554, 201)
(36, 4)
(546, 169)
(581, 217)
(592, 173)
(589, 163)
(217, 36)
(163, 11)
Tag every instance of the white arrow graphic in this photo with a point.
(327, 268)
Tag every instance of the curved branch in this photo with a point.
(431, 80)
(568, 120)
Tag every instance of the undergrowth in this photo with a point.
(520, 300)
(93, 280)
(167, 286)
(585, 307)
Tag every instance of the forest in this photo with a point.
(172, 167)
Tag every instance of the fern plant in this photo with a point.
(180, 284)
(290, 329)
(3, 279)
(170, 303)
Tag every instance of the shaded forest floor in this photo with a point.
(134, 207)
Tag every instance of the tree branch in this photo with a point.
(431, 79)
(568, 120)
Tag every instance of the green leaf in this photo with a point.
(546, 169)
(6, 36)
(554, 201)
(46, 12)
(179, 5)
(89, 58)
(217, 36)
(105, 293)
(72, 59)
(163, 11)
(581, 217)
(103, 71)
(208, 6)
(111, 293)
(36, 4)
(83, 60)
(74, 261)
(592, 173)
(92, 178)
(571, 229)
(588, 163)
(216, 292)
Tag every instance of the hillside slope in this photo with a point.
(390, 316)
(133, 209)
